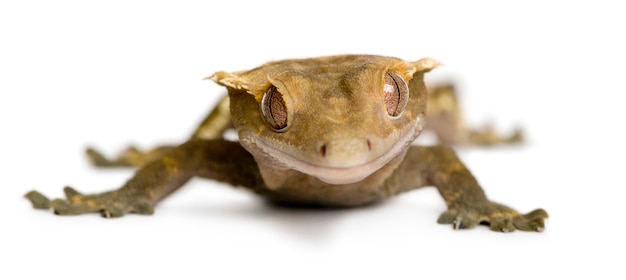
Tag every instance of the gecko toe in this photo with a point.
(70, 192)
(38, 200)
(63, 207)
(144, 208)
(458, 219)
(447, 217)
(537, 214)
(504, 224)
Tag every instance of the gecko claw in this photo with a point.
(456, 225)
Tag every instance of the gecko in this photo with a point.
(334, 131)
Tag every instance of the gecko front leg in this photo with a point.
(216, 159)
(467, 203)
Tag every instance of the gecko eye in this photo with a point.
(396, 94)
(274, 109)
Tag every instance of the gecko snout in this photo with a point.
(345, 153)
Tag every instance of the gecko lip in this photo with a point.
(336, 175)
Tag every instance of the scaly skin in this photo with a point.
(331, 140)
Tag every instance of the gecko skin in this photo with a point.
(329, 131)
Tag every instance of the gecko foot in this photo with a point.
(488, 137)
(131, 157)
(109, 204)
(498, 217)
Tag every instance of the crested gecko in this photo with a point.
(324, 132)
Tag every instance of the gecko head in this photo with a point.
(338, 119)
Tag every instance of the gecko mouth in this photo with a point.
(328, 174)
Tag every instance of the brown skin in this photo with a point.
(330, 131)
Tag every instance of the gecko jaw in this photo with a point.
(329, 174)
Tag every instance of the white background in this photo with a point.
(74, 74)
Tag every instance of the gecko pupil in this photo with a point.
(396, 94)
(274, 109)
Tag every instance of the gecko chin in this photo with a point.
(348, 174)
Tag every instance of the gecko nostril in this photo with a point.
(369, 145)
(323, 150)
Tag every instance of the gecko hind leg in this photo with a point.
(445, 119)
(212, 127)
